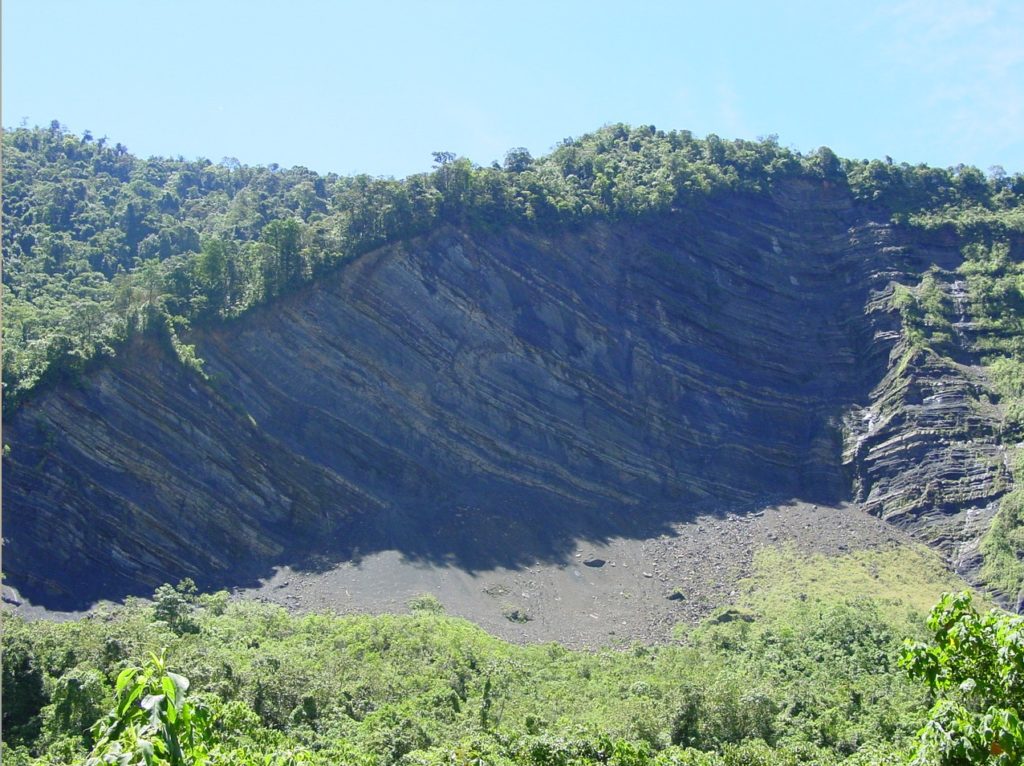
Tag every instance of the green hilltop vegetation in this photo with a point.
(100, 244)
(790, 674)
(810, 667)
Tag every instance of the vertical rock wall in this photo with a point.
(485, 398)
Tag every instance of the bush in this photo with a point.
(23, 691)
(175, 606)
(975, 666)
(426, 602)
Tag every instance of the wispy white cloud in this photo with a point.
(969, 55)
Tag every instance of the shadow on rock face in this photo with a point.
(473, 400)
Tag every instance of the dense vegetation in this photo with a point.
(788, 675)
(100, 244)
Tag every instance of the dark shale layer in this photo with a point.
(489, 399)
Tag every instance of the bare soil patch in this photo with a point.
(614, 593)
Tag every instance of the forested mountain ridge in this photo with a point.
(98, 242)
(639, 320)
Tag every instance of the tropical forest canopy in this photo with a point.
(791, 674)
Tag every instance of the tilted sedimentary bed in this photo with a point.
(490, 398)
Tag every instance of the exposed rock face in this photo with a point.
(925, 453)
(489, 398)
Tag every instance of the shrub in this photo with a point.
(975, 666)
(426, 602)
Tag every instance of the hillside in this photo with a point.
(674, 414)
(491, 392)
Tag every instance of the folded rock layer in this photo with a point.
(487, 398)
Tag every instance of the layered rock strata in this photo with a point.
(488, 398)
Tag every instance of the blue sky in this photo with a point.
(375, 87)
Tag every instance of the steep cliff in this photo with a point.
(489, 397)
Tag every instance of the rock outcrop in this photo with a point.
(925, 454)
(489, 397)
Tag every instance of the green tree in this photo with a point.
(152, 288)
(212, 271)
(825, 162)
(175, 606)
(517, 160)
(23, 689)
(284, 235)
(153, 722)
(975, 666)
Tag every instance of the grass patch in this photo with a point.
(904, 582)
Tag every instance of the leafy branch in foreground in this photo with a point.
(975, 666)
(153, 722)
(156, 723)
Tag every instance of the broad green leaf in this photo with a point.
(152, 703)
(169, 689)
(124, 678)
(128, 700)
